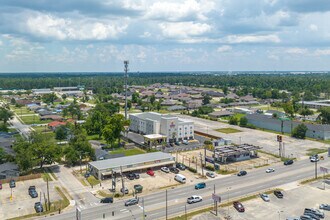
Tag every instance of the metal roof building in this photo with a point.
(103, 168)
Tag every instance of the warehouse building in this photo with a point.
(168, 126)
(103, 169)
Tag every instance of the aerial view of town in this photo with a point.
(165, 110)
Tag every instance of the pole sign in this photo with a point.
(216, 198)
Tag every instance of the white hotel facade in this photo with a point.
(170, 126)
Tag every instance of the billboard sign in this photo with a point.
(216, 198)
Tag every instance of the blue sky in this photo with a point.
(164, 35)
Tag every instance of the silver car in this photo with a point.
(194, 199)
(325, 207)
(210, 174)
(165, 169)
(132, 201)
(265, 197)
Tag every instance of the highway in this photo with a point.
(228, 188)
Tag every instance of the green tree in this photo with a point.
(152, 99)
(64, 96)
(49, 98)
(135, 97)
(24, 157)
(306, 111)
(225, 90)
(243, 122)
(324, 116)
(288, 109)
(206, 99)
(5, 115)
(61, 133)
(73, 110)
(115, 125)
(233, 120)
(300, 131)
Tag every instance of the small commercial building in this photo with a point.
(227, 154)
(103, 169)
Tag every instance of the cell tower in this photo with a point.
(126, 76)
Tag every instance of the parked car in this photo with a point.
(315, 212)
(242, 173)
(165, 169)
(130, 176)
(132, 201)
(200, 185)
(138, 188)
(177, 143)
(185, 142)
(136, 175)
(265, 197)
(314, 159)
(12, 184)
(306, 217)
(270, 170)
(124, 190)
(325, 207)
(38, 207)
(180, 178)
(312, 215)
(180, 166)
(288, 162)
(293, 218)
(33, 193)
(174, 170)
(150, 172)
(210, 174)
(278, 194)
(238, 206)
(194, 199)
(107, 200)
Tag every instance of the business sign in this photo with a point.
(216, 198)
(324, 169)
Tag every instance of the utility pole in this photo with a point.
(316, 168)
(185, 211)
(126, 76)
(166, 204)
(202, 164)
(215, 202)
(144, 215)
(48, 194)
(122, 180)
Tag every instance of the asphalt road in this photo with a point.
(227, 187)
(21, 128)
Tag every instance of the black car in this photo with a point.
(107, 200)
(278, 194)
(38, 207)
(242, 173)
(288, 162)
(174, 170)
(33, 192)
(177, 143)
(12, 184)
(130, 176)
(180, 166)
(136, 175)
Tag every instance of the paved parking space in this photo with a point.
(292, 205)
(22, 203)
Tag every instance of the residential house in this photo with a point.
(55, 124)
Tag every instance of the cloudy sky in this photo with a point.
(164, 35)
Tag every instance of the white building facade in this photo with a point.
(173, 127)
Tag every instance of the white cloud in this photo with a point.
(273, 57)
(236, 39)
(183, 30)
(224, 48)
(1, 43)
(313, 27)
(46, 25)
(296, 50)
(180, 11)
(145, 34)
(322, 52)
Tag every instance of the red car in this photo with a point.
(238, 206)
(150, 172)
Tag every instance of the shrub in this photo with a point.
(210, 167)
(192, 170)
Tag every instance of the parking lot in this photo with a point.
(292, 205)
(160, 180)
(21, 203)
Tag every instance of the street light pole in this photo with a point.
(316, 168)
(126, 76)
(228, 188)
(166, 205)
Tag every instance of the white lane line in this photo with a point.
(125, 211)
(139, 206)
(122, 210)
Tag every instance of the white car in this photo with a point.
(194, 199)
(265, 197)
(210, 174)
(270, 170)
(165, 169)
(314, 159)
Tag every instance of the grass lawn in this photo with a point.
(228, 130)
(23, 110)
(34, 119)
(92, 181)
(41, 128)
(128, 152)
(314, 151)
